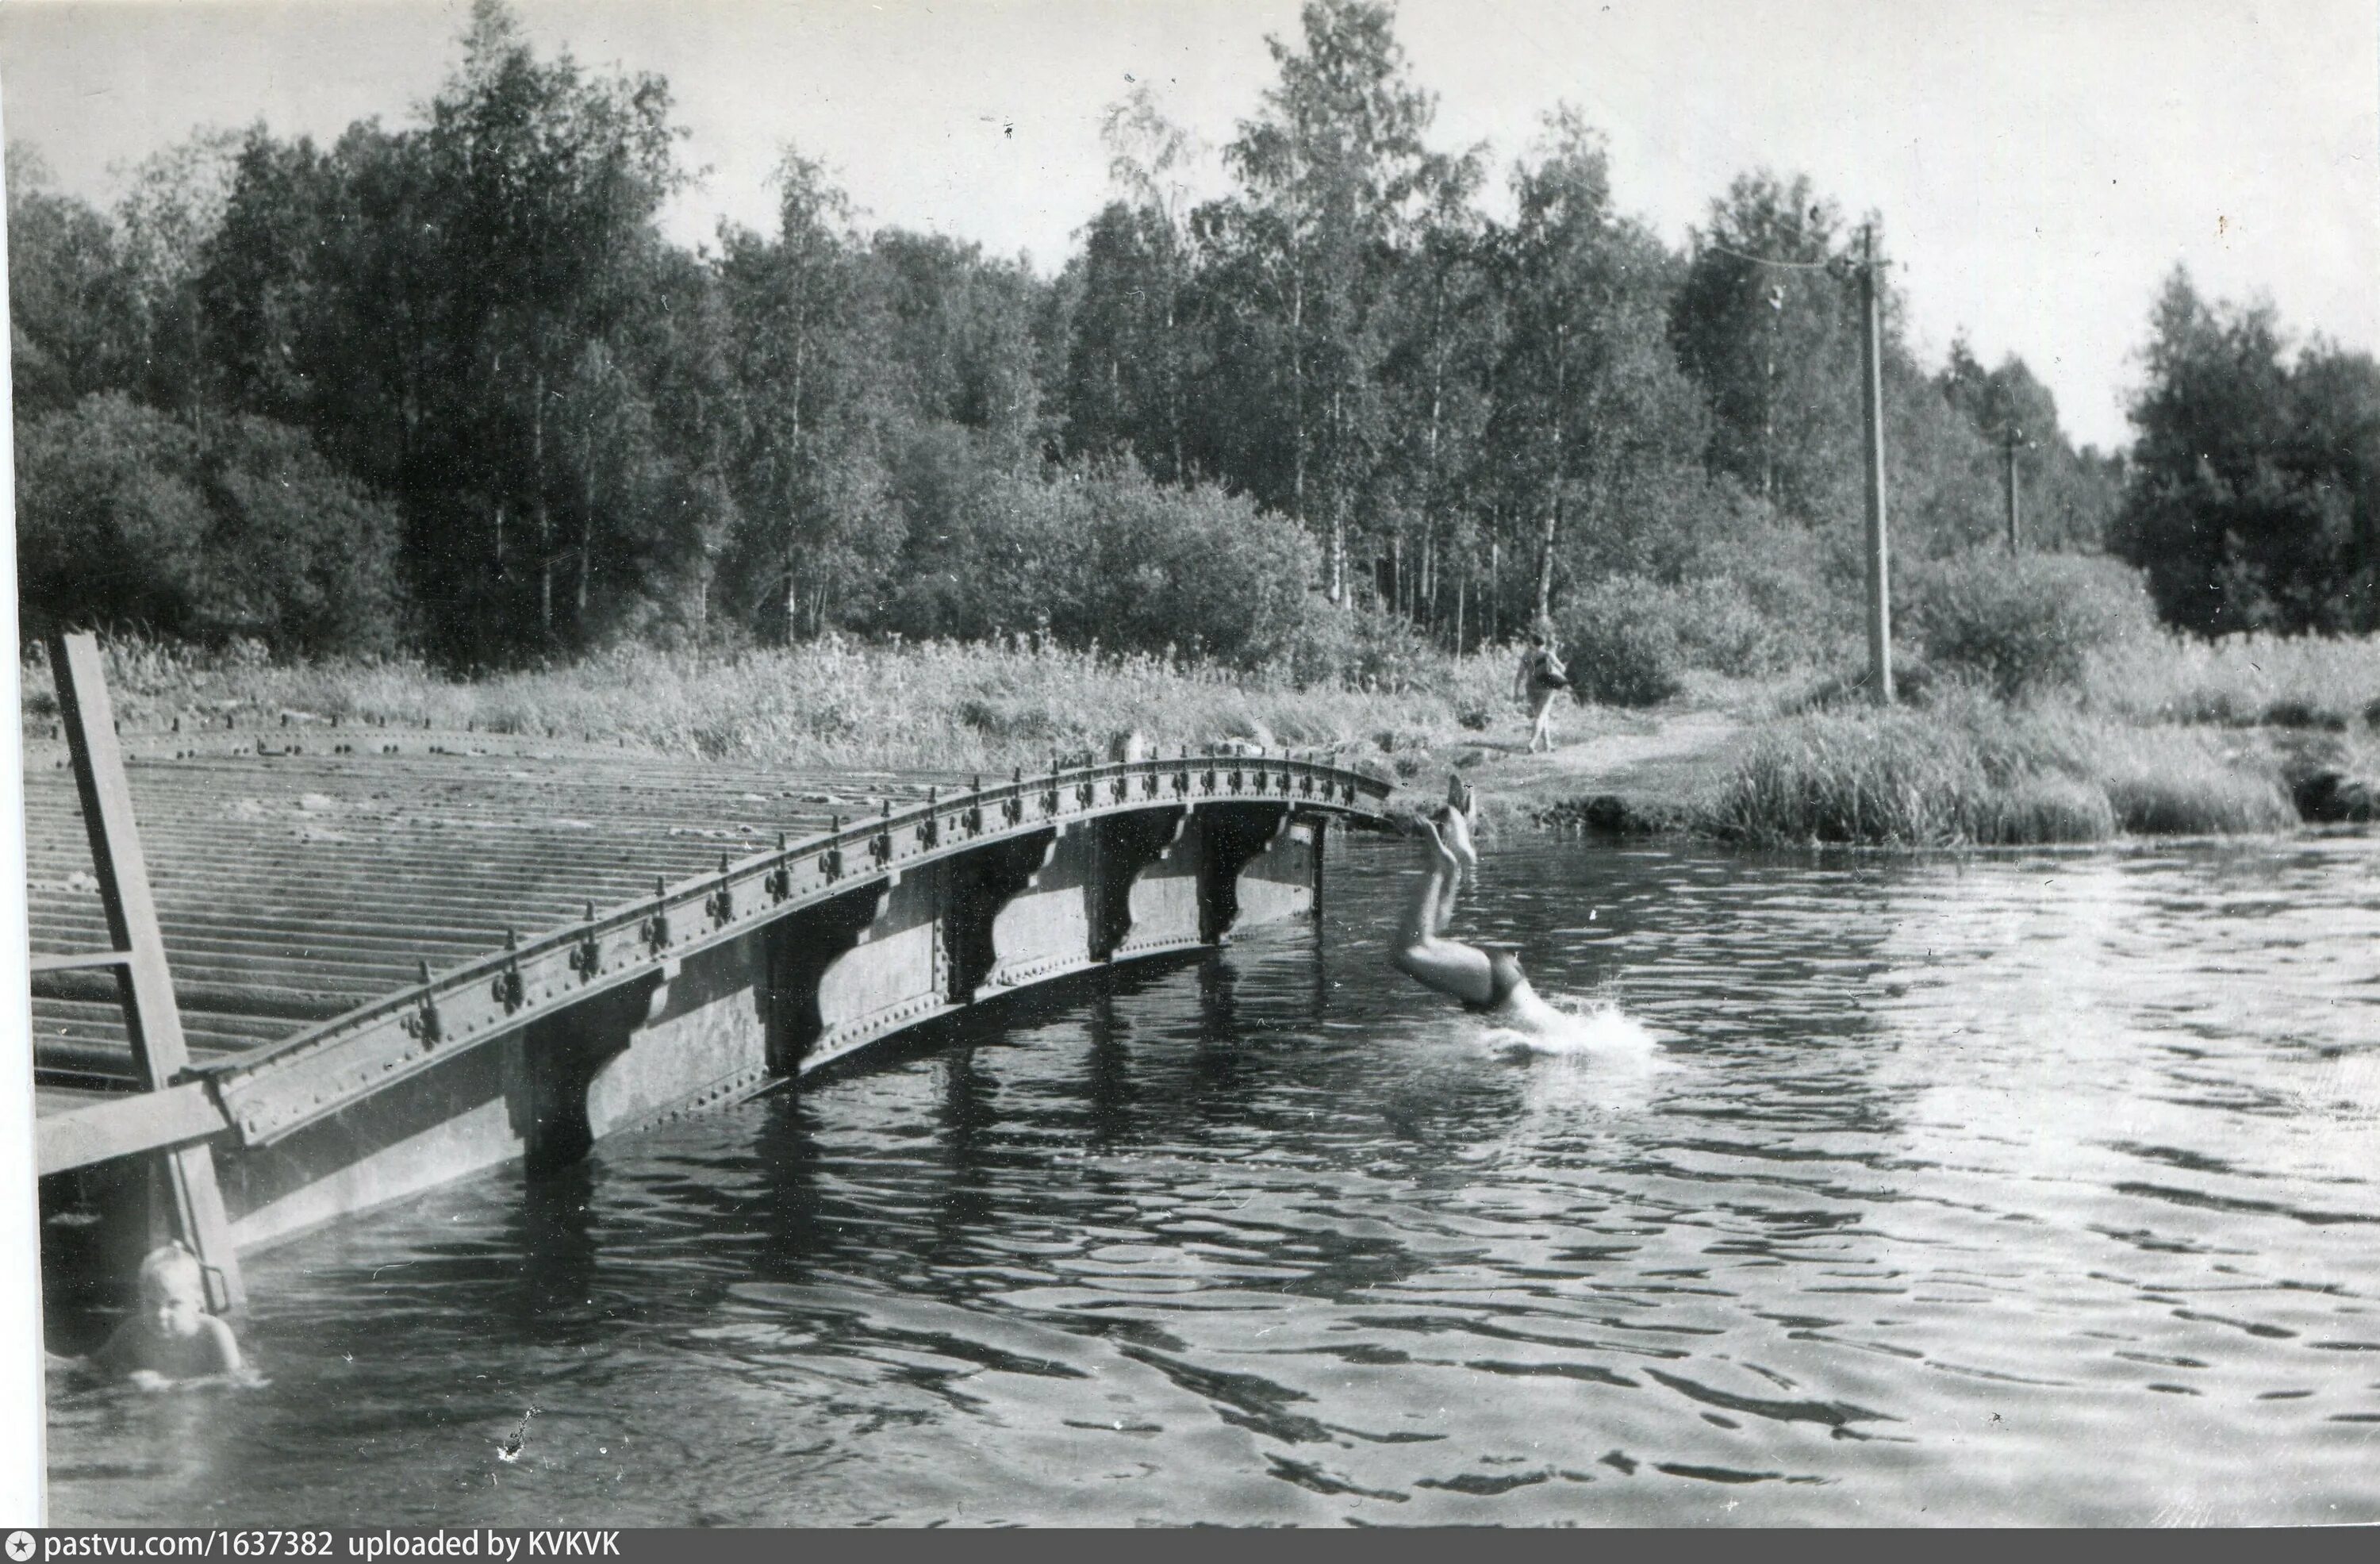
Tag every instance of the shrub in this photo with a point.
(1914, 682)
(124, 520)
(1106, 557)
(301, 555)
(1621, 638)
(1196, 570)
(1359, 648)
(1632, 639)
(111, 517)
(1012, 553)
(2025, 624)
(1792, 615)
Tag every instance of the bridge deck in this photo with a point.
(313, 901)
(293, 888)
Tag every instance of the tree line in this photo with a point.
(447, 387)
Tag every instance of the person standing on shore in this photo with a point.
(1540, 679)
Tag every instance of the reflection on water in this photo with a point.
(2033, 1188)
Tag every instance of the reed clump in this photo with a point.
(1971, 771)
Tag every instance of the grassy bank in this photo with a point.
(2330, 683)
(831, 702)
(2158, 736)
(1970, 771)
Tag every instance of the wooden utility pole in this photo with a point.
(2010, 439)
(1879, 574)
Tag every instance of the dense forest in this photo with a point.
(446, 387)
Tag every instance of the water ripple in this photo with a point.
(2028, 1187)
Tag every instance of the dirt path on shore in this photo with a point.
(1648, 764)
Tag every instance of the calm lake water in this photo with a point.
(2012, 1189)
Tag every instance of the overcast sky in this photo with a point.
(2039, 167)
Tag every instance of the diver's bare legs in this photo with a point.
(1458, 970)
(1433, 901)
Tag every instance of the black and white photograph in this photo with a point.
(1191, 763)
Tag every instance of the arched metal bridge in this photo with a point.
(400, 956)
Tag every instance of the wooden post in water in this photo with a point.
(1879, 563)
(153, 1021)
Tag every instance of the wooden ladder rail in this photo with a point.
(152, 1017)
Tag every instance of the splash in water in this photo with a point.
(1592, 1028)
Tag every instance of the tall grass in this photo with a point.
(973, 705)
(2311, 681)
(1971, 771)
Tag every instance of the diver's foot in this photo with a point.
(1456, 835)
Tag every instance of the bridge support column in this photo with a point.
(552, 1064)
(1016, 913)
(1125, 846)
(1188, 879)
(802, 949)
(1241, 837)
